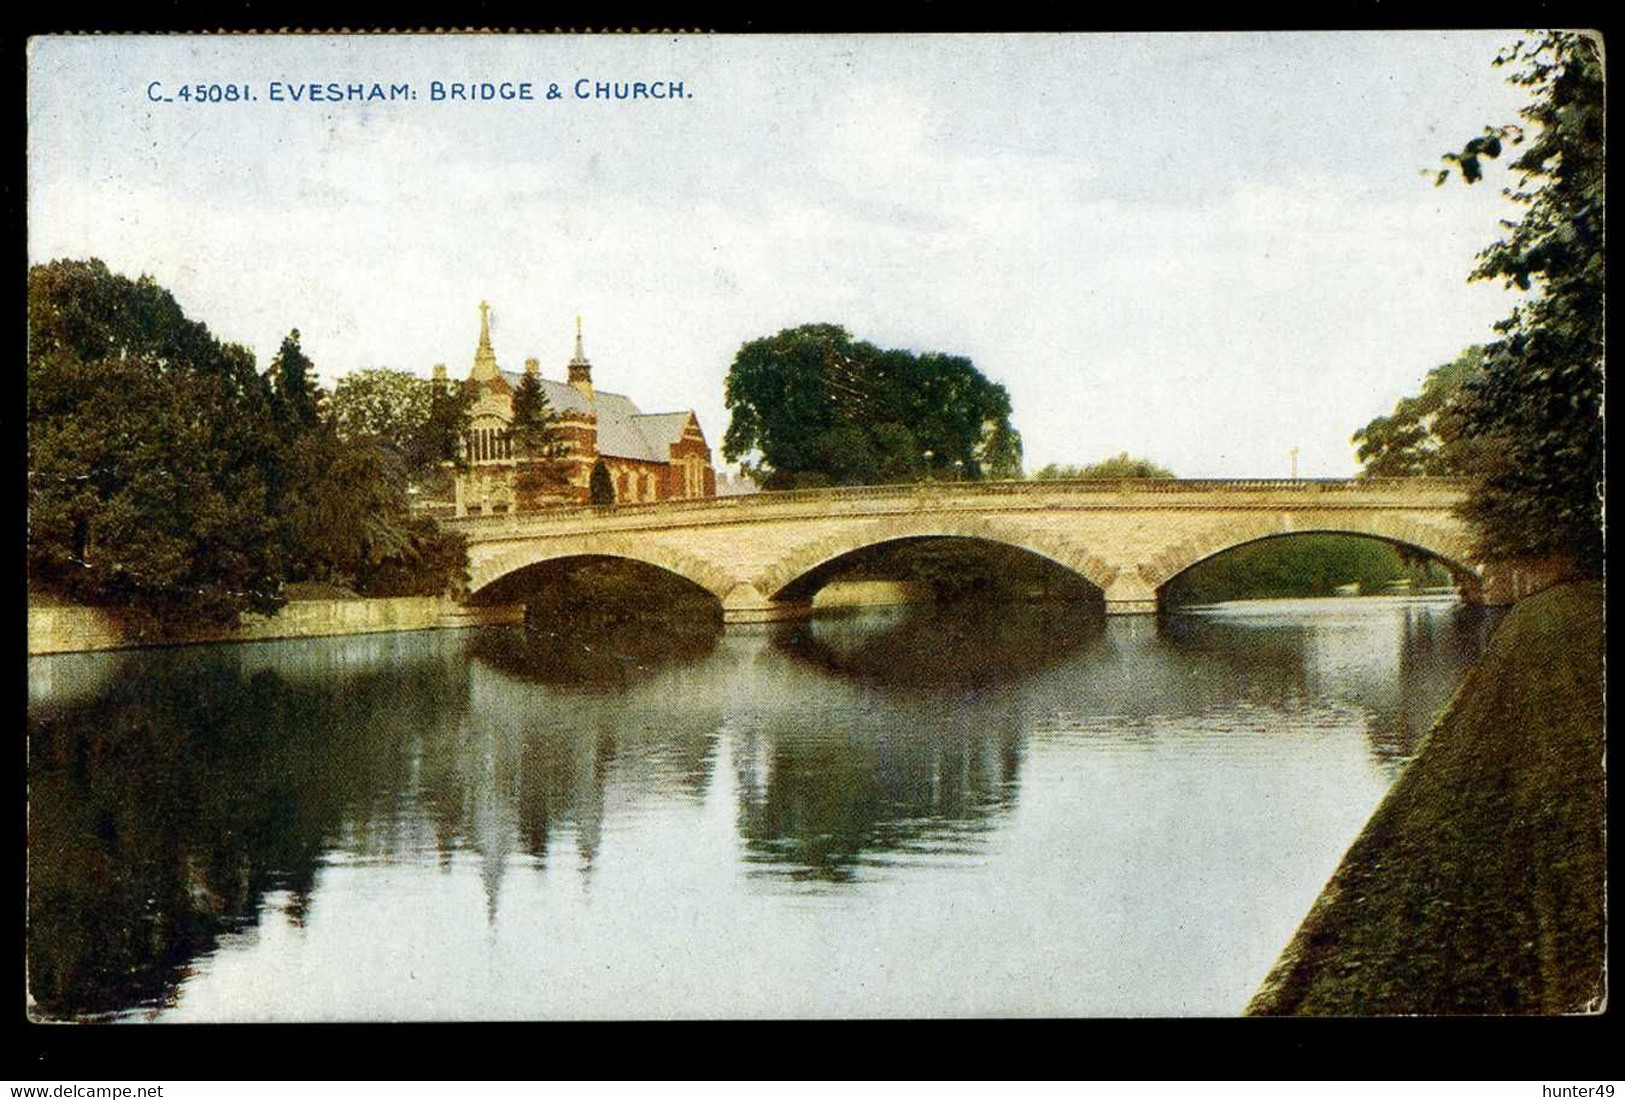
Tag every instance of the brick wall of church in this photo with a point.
(689, 473)
(579, 433)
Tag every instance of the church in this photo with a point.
(649, 456)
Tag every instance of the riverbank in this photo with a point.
(843, 595)
(70, 628)
(1478, 885)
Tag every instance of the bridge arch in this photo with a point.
(850, 538)
(691, 567)
(1450, 545)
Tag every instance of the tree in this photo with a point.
(601, 486)
(350, 521)
(166, 474)
(1107, 469)
(535, 442)
(422, 421)
(1424, 436)
(153, 452)
(390, 405)
(349, 516)
(1001, 446)
(1537, 403)
(811, 406)
(296, 394)
(450, 415)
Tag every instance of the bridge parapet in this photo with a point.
(1153, 493)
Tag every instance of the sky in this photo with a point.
(1205, 249)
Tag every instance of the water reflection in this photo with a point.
(188, 805)
(973, 645)
(164, 809)
(1397, 660)
(869, 792)
(612, 655)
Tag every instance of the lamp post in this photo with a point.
(1294, 454)
(928, 455)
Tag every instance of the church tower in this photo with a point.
(485, 360)
(580, 369)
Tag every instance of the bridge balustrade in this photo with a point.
(1414, 487)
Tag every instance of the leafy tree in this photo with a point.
(430, 562)
(422, 421)
(1001, 446)
(297, 396)
(348, 514)
(450, 409)
(811, 406)
(350, 521)
(152, 452)
(601, 486)
(1424, 436)
(390, 405)
(1537, 403)
(536, 444)
(1107, 469)
(166, 474)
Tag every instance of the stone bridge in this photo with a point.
(757, 553)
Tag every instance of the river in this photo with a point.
(1021, 810)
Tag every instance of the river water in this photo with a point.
(1024, 810)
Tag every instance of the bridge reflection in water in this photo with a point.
(1075, 814)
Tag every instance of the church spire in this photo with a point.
(580, 369)
(485, 360)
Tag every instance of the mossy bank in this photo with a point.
(1478, 885)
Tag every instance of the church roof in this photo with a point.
(623, 431)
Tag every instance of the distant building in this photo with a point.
(650, 456)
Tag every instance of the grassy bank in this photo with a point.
(1478, 885)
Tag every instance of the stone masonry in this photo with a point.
(1127, 538)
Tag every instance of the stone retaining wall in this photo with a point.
(82, 629)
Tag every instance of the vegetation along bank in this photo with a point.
(1478, 885)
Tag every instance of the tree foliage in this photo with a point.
(810, 406)
(392, 406)
(600, 485)
(166, 474)
(420, 420)
(1537, 403)
(451, 406)
(350, 521)
(296, 395)
(152, 451)
(537, 448)
(1301, 565)
(1107, 469)
(1425, 436)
